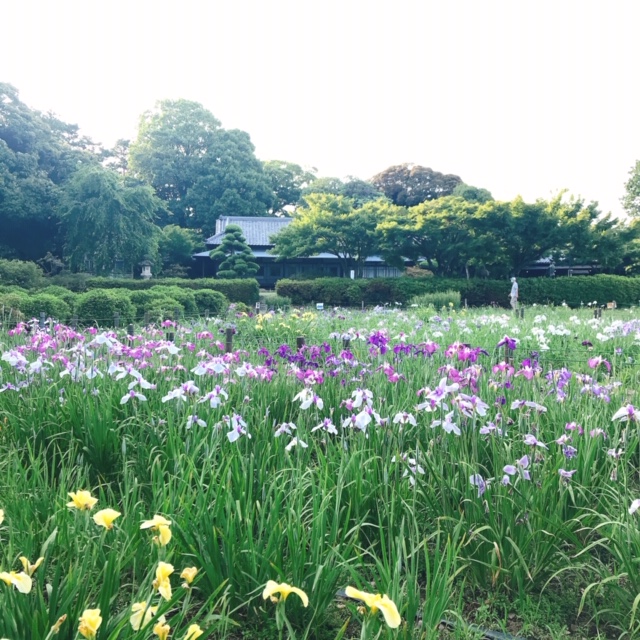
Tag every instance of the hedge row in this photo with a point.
(246, 290)
(99, 306)
(573, 291)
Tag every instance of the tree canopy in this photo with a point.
(287, 180)
(631, 199)
(408, 184)
(333, 224)
(198, 168)
(108, 219)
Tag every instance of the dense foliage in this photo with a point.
(233, 256)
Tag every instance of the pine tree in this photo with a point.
(234, 254)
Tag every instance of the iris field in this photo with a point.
(401, 468)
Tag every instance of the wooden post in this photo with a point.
(116, 319)
(345, 343)
(299, 342)
(206, 315)
(130, 330)
(466, 306)
(228, 341)
(42, 318)
(74, 322)
(176, 315)
(170, 336)
(146, 318)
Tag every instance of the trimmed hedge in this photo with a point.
(24, 274)
(246, 290)
(100, 306)
(575, 290)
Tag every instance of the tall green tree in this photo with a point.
(108, 219)
(287, 180)
(332, 224)
(38, 154)
(631, 199)
(176, 247)
(234, 255)
(408, 184)
(199, 169)
(474, 194)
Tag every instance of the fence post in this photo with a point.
(74, 322)
(146, 318)
(206, 315)
(299, 342)
(176, 315)
(228, 341)
(116, 319)
(345, 343)
(42, 318)
(130, 330)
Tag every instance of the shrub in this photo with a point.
(214, 302)
(245, 290)
(184, 296)
(73, 281)
(64, 294)
(12, 305)
(52, 307)
(438, 299)
(163, 308)
(575, 290)
(99, 307)
(274, 301)
(24, 274)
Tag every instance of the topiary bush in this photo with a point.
(52, 307)
(214, 302)
(99, 307)
(163, 308)
(184, 296)
(70, 297)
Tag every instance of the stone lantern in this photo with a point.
(146, 269)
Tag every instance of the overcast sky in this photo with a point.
(516, 96)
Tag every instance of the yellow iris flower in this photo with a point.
(188, 574)
(21, 581)
(162, 583)
(82, 500)
(29, 568)
(105, 518)
(194, 631)
(161, 525)
(90, 621)
(161, 630)
(272, 588)
(377, 602)
(142, 615)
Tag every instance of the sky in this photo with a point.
(520, 97)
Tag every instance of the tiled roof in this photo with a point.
(256, 231)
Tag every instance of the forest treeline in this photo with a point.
(70, 204)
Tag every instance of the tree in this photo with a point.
(452, 235)
(117, 158)
(287, 180)
(332, 224)
(358, 190)
(235, 256)
(108, 219)
(199, 169)
(473, 194)
(631, 200)
(176, 247)
(408, 184)
(38, 153)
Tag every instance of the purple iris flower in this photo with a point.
(566, 475)
(594, 363)
(569, 452)
(478, 481)
(532, 441)
(508, 342)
